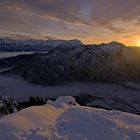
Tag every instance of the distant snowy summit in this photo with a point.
(7, 44)
(64, 119)
(112, 46)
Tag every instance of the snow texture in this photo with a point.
(69, 122)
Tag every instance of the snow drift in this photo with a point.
(64, 119)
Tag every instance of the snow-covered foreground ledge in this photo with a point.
(64, 119)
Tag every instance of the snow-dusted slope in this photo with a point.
(68, 121)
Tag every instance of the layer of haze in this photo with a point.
(92, 21)
(20, 89)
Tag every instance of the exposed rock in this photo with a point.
(7, 106)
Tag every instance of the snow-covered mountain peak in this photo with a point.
(112, 46)
(56, 42)
(8, 44)
(115, 43)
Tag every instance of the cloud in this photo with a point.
(89, 12)
(40, 15)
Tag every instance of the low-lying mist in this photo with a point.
(20, 89)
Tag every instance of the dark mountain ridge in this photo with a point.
(111, 62)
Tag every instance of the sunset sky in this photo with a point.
(91, 21)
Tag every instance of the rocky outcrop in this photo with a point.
(110, 103)
(7, 106)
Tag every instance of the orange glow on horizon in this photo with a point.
(138, 43)
(130, 41)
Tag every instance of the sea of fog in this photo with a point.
(20, 89)
(11, 54)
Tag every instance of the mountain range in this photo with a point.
(73, 61)
(59, 64)
(12, 45)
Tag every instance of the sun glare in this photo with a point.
(138, 43)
